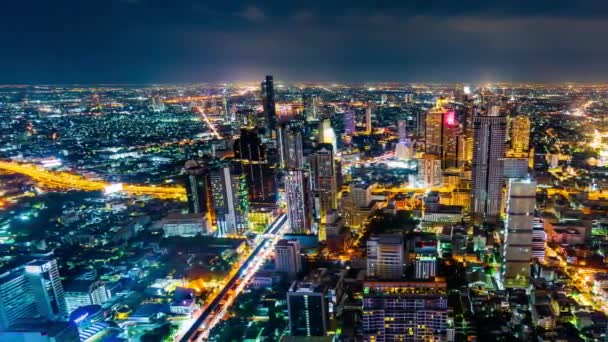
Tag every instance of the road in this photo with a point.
(211, 314)
(68, 181)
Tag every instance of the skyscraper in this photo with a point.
(269, 106)
(327, 135)
(308, 309)
(487, 172)
(196, 187)
(402, 131)
(385, 257)
(251, 153)
(441, 135)
(324, 184)
(298, 193)
(230, 200)
(31, 291)
(520, 134)
(517, 253)
(287, 257)
(292, 151)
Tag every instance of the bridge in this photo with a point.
(69, 181)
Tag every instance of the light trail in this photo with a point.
(69, 181)
(219, 304)
(209, 123)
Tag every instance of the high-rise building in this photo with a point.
(287, 257)
(196, 187)
(292, 152)
(350, 126)
(31, 291)
(251, 153)
(517, 253)
(520, 134)
(327, 134)
(324, 184)
(269, 106)
(368, 119)
(539, 238)
(298, 192)
(385, 257)
(308, 309)
(429, 171)
(85, 292)
(406, 311)
(441, 135)
(487, 170)
(230, 200)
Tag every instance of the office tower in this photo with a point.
(385, 257)
(324, 184)
(251, 153)
(368, 119)
(269, 107)
(441, 135)
(383, 98)
(311, 106)
(520, 134)
(292, 152)
(517, 252)
(361, 193)
(406, 311)
(225, 106)
(246, 118)
(45, 284)
(31, 291)
(80, 293)
(298, 192)
(425, 266)
(287, 257)
(196, 187)
(487, 170)
(327, 134)
(230, 200)
(308, 309)
(429, 171)
(350, 126)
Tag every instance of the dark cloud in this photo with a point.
(138, 41)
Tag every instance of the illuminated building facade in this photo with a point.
(230, 200)
(488, 152)
(350, 126)
(298, 193)
(287, 257)
(291, 150)
(368, 119)
(520, 134)
(324, 184)
(429, 171)
(251, 153)
(406, 311)
(517, 253)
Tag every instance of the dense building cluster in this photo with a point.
(313, 212)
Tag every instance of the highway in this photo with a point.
(215, 311)
(69, 181)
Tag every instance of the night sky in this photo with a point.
(146, 41)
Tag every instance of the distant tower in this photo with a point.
(441, 134)
(225, 105)
(298, 193)
(402, 130)
(269, 106)
(291, 149)
(324, 184)
(488, 151)
(230, 200)
(368, 119)
(520, 134)
(327, 134)
(517, 253)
